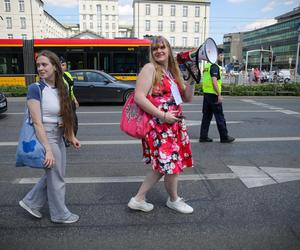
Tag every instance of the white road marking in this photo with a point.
(273, 108)
(126, 142)
(251, 177)
(125, 179)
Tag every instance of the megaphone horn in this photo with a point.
(208, 51)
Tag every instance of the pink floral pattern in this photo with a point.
(167, 146)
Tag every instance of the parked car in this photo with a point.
(98, 86)
(283, 75)
(3, 103)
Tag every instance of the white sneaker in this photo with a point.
(33, 212)
(72, 219)
(180, 206)
(140, 205)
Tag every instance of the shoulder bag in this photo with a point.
(30, 152)
(134, 120)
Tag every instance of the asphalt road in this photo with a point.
(245, 195)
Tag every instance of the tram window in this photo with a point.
(11, 64)
(3, 65)
(125, 63)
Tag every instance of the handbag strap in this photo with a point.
(41, 97)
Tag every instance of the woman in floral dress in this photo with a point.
(159, 92)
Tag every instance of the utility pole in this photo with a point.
(31, 19)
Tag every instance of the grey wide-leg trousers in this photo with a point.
(51, 186)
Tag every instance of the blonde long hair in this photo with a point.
(64, 100)
(172, 64)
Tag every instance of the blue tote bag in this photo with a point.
(30, 152)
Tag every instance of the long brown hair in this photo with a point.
(172, 64)
(64, 99)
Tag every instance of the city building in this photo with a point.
(280, 38)
(28, 20)
(232, 45)
(125, 31)
(183, 22)
(100, 17)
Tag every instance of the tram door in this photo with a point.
(92, 61)
(104, 59)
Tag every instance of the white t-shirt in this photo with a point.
(50, 101)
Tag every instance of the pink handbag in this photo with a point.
(134, 120)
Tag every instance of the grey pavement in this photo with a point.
(229, 213)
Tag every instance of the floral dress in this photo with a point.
(167, 146)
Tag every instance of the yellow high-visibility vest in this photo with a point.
(207, 85)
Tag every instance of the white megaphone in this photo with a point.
(189, 60)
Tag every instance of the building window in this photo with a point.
(160, 26)
(113, 26)
(106, 17)
(148, 9)
(196, 42)
(83, 7)
(24, 36)
(184, 41)
(114, 18)
(106, 7)
(160, 9)
(113, 8)
(184, 26)
(197, 27)
(91, 25)
(10, 36)
(147, 25)
(172, 41)
(91, 17)
(197, 11)
(106, 26)
(172, 26)
(173, 10)
(84, 26)
(7, 5)
(91, 7)
(21, 5)
(23, 22)
(185, 11)
(8, 23)
(83, 17)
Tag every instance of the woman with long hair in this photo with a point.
(160, 90)
(53, 122)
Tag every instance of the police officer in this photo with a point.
(212, 101)
(68, 79)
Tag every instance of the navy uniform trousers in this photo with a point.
(210, 108)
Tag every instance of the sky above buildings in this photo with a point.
(226, 16)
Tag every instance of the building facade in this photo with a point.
(184, 23)
(281, 38)
(27, 19)
(100, 17)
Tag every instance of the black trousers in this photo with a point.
(75, 121)
(210, 108)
